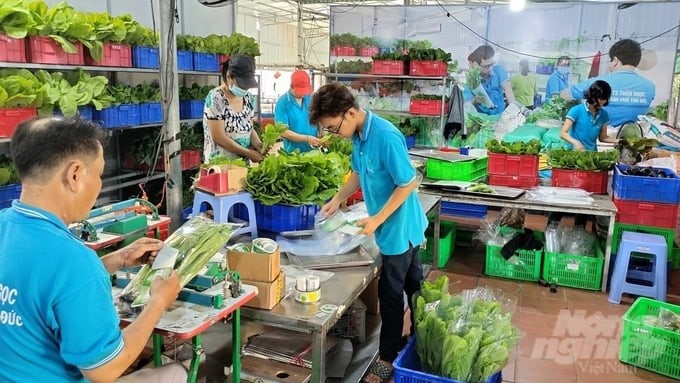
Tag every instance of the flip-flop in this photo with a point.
(381, 371)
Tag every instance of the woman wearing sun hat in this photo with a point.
(292, 109)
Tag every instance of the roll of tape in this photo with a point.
(313, 283)
(301, 284)
(307, 296)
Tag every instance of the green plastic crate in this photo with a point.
(577, 271)
(457, 171)
(529, 268)
(128, 225)
(619, 228)
(647, 346)
(447, 243)
(675, 258)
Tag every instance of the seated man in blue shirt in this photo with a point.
(559, 79)
(58, 322)
(292, 109)
(495, 81)
(632, 94)
(381, 166)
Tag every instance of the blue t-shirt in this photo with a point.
(57, 315)
(381, 160)
(632, 95)
(494, 88)
(556, 82)
(586, 127)
(296, 116)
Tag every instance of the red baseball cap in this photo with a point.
(301, 83)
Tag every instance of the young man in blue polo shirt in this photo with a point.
(632, 94)
(292, 109)
(495, 81)
(57, 318)
(381, 166)
(587, 121)
(559, 79)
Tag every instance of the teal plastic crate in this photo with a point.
(447, 243)
(527, 269)
(457, 171)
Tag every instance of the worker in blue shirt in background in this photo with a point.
(381, 166)
(559, 78)
(292, 109)
(632, 94)
(587, 121)
(495, 81)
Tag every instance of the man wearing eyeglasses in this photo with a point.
(495, 81)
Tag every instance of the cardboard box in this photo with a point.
(255, 266)
(222, 179)
(269, 293)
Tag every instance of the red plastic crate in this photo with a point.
(343, 51)
(514, 181)
(428, 68)
(427, 107)
(117, 55)
(590, 181)
(222, 58)
(11, 118)
(161, 232)
(12, 50)
(646, 213)
(524, 165)
(44, 50)
(357, 196)
(188, 158)
(389, 67)
(369, 51)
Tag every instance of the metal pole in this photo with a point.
(170, 97)
(300, 35)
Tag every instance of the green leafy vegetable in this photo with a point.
(556, 109)
(473, 77)
(15, 18)
(224, 160)
(532, 147)
(583, 160)
(337, 144)
(195, 92)
(271, 134)
(8, 172)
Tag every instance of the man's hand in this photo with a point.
(313, 141)
(369, 224)
(165, 290)
(330, 208)
(141, 251)
(579, 147)
(478, 100)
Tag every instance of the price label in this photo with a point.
(573, 265)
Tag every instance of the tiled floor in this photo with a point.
(568, 336)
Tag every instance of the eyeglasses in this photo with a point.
(335, 129)
(487, 66)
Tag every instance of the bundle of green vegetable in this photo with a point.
(433, 97)
(191, 137)
(224, 160)
(583, 160)
(271, 134)
(20, 88)
(352, 66)
(68, 91)
(15, 18)
(467, 337)
(473, 78)
(197, 241)
(556, 109)
(532, 147)
(236, 43)
(633, 149)
(436, 54)
(337, 144)
(195, 92)
(8, 173)
(297, 178)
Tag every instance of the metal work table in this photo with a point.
(602, 206)
(341, 290)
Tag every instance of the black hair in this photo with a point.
(483, 52)
(524, 66)
(564, 59)
(627, 51)
(599, 90)
(40, 144)
(331, 100)
(224, 70)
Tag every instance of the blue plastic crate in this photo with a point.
(190, 109)
(277, 218)
(187, 211)
(649, 189)
(407, 369)
(9, 193)
(205, 62)
(463, 209)
(119, 116)
(410, 142)
(85, 111)
(151, 112)
(185, 60)
(145, 57)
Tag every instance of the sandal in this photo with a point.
(380, 370)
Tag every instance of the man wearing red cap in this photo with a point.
(292, 109)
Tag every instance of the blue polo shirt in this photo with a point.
(56, 313)
(632, 95)
(493, 86)
(381, 160)
(556, 82)
(586, 127)
(296, 116)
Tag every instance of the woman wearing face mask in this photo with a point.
(227, 116)
(586, 122)
(559, 79)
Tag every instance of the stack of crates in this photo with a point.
(646, 205)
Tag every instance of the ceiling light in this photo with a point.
(517, 5)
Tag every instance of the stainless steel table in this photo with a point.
(602, 206)
(341, 290)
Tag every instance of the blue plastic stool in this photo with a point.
(651, 283)
(223, 212)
